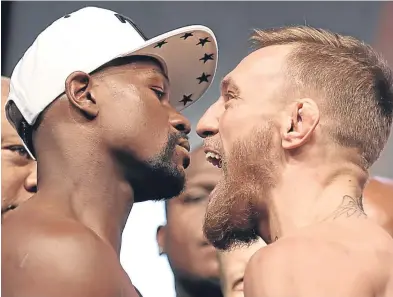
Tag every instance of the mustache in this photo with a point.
(213, 143)
(173, 139)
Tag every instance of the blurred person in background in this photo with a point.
(192, 258)
(18, 169)
(232, 266)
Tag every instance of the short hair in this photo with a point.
(352, 81)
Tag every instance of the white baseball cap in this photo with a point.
(91, 37)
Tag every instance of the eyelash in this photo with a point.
(159, 94)
(19, 150)
(193, 199)
(228, 98)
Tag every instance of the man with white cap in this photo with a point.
(99, 110)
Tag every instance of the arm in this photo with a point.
(300, 268)
(73, 265)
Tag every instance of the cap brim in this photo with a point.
(189, 56)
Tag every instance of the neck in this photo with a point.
(305, 196)
(89, 187)
(195, 288)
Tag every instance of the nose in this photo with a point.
(31, 180)
(208, 124)
(179, 122)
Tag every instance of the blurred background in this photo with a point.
(232, 23)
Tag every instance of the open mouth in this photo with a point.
(214, 158)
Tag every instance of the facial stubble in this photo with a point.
(250, 172)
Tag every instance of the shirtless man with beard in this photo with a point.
(98, 105)
(299, 123)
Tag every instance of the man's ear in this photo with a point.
(78, 90)
(300, 123)
(160, 237)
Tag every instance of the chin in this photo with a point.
(158, 188)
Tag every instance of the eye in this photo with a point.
(160, 94)
(20, 150)
(193, 199)
(229, 96)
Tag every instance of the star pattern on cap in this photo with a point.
(206, 58)
(203, 78)
(186, 99)
(160, 44)
(202, 41)
(186, 35)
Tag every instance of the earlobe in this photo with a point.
(78, 90)
(300, 123)
(160, 237)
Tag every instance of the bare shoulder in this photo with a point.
(310, 267)
(53, 257)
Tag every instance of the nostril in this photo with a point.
(207, 133)
(180, 127)
(33, 189)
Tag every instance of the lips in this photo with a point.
(185, 144)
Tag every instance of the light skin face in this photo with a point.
(192, 258)
(248, 111)
(232, 267)
(286, 181)
(18, 169)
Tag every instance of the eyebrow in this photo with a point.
(160, 73)
(229, 83)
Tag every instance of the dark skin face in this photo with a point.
(156, 135)
(18, 170)
(190, 255)
(100, 147)
(125, 109)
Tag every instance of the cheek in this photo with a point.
(12, 179)
(235, 123)
(141, 126)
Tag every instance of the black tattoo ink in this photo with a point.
(349, 207)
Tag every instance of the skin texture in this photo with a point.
(378, 205)
(99, 149)
(192, 259)
(287, 183)
(18, 170)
